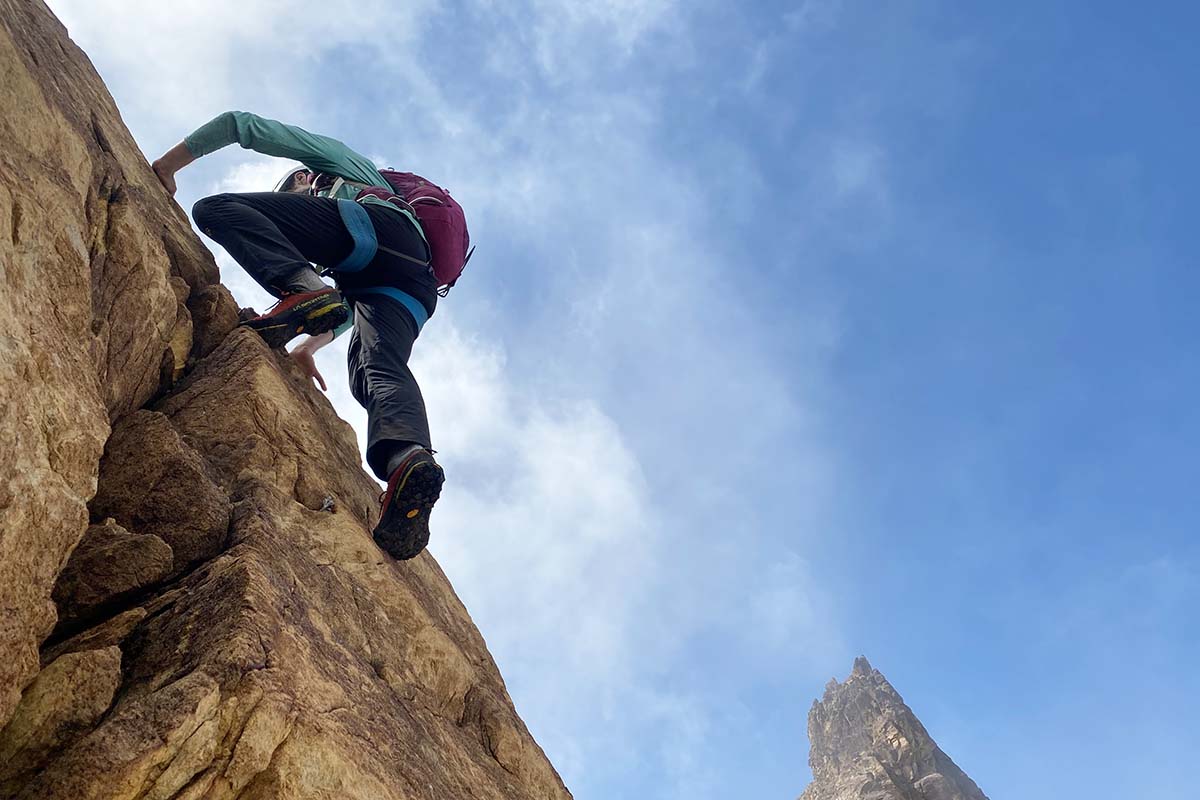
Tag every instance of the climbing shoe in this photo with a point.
(413, 488)
(302, 312)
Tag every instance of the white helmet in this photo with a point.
(286, 180)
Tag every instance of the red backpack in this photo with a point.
(441, 218)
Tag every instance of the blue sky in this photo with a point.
(796, 331)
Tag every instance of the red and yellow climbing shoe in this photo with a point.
(403, 529)
(305, 312)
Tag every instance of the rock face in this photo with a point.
(868, 745)
(191, 605)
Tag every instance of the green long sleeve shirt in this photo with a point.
(273, 138)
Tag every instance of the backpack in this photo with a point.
(441, 218)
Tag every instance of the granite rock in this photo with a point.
(278, 653)
(866, 744)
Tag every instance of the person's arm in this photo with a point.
(305, 352)
(171, 162)
(269, 137)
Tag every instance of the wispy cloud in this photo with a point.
(171, 63)
(600, 394)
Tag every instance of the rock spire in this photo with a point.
(868, 745)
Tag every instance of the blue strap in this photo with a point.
(358, 225)
(414, 306)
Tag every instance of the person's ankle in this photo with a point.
(303, 281)
(402, 452)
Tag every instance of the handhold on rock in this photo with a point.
(108, 565)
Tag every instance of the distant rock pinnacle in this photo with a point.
(868, 745)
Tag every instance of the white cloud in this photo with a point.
(559, 43)
(545, 525)
(259, 174)
(209, 57)
(567, 31)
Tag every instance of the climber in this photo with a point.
(380, 257)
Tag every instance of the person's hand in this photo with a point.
(171, 162)
(165, 176)
(308, 365)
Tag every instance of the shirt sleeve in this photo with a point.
(273, 138)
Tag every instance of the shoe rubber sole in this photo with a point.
(403, 530)
(319, 316)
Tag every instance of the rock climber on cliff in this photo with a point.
(389, 240)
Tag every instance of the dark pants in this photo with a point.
(272, 235)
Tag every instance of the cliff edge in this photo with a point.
(192, 605)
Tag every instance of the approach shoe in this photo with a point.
(303, 312)
(403, 529)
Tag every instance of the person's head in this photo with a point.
(297, 181)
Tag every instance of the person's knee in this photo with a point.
(207, 211)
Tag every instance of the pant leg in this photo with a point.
(381, 381)
(272, 235)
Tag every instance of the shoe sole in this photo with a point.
(403, 530)
(315, 321)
